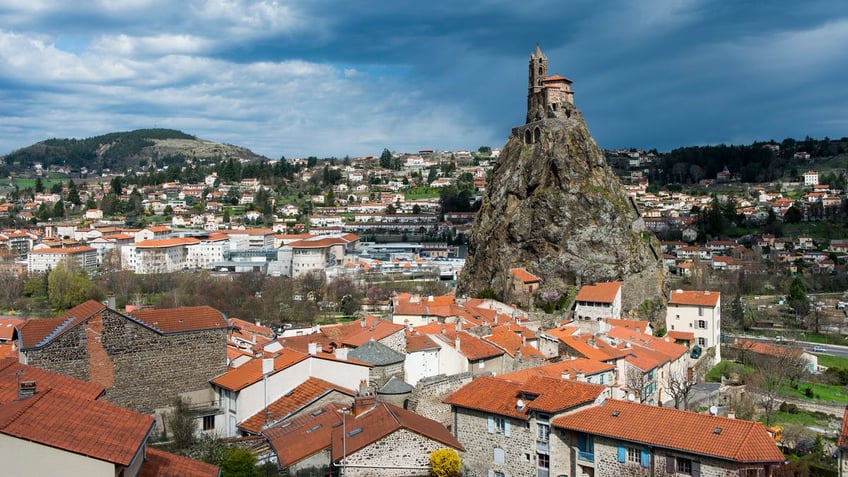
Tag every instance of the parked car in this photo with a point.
(818, 349)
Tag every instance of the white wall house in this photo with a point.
(45, 259)
(698, 312)
(598, 301)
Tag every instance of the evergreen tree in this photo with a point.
(59, 209)
(39, 186)
(386, 159)
(73, 193)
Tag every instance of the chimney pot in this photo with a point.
(26, 389)
(313, 348)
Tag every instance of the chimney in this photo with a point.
(362, 322)
(313, 348)
(731, 414)
(581, 377)
(566, 375)
(341, 353)
(267, 366)
(456, 343)
(26, 389)
(457, 325)
(364, 400)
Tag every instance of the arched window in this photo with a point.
(528, 137)
(537, 135)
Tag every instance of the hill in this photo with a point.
(123, 151)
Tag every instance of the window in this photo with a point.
(684, 466)
(544, 431)
(499, 456)
(498, 425)
(498, 474)
(208, 423)
(544, 461)
(702, 342)
(700, 311)
(632, 454)
(702, 324)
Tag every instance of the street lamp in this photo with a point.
(343, 411)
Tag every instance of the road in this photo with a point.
(828, 349)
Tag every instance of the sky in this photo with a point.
(334, 78)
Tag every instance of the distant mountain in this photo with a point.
(122, 151)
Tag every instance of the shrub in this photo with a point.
(445, 463)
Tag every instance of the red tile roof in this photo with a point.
(68, 250)
(37, 332)
(639, 325)
(600, 293)
(524, 276)
(164, 464)
(182, 319)
(588, 367)
(736, 440)
(383, 420)
(470, 346)
(7, 327)
(251, 372)
(842, 442)
(694, 298)
(303, 436)
(169, 242)
(95, 429)
(301, 396)
(506, 338)
(11, 370)
(500, 396)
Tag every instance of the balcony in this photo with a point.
(586, 456)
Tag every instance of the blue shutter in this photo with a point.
(622, 454)
(581, 442)
(491, 424)
(646, 458)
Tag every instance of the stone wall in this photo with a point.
(400, 454)
(426, 398)
(378, 375)
(66, 355)
(152, 369)
(141, 369)
(480, 444)
(396, 341)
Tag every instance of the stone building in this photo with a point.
(385, 361)
(505, 425)
(620, 438)
(144, 360)
(546, 95)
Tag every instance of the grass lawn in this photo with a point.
(821, 392)
(829, 361)
(801, 418)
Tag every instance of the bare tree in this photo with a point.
(636, 381)
(679, 385)
(775, 367)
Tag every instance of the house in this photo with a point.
(247, 390)
(52, 424)
(698, 312)
(524, 283)
(626, 438)
(594, 302)
(505, 425)
(42, 260)
(173, 351)
(369, 438)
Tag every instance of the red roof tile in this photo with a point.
(694, 298)
(600, 293)
(736, 440)
(37, 332)
(170, 242)
(296, 399)
(524, 276)
(383, 420)
(182, 319)
(92, 428)
(842, 442)
(303, 436)
(11, 371)
(68, 250)
(500, 396)
(419, 342)
(251, 372)
(7, 327)
(164, 464)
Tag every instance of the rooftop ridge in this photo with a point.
(56, 331)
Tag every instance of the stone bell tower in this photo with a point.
(547, 96)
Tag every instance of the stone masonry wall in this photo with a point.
(379, 375)
(400, 454)
(152, 369)
(478, 458)
(396, 341)
(426, 398)
(66, 355)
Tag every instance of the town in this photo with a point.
(302, 316)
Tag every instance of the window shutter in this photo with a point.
(670, 464)
(646, 458)
(622, 454)
(491, 424)
(696, 469)
(491, 473)
(581, 442)
(506, 427)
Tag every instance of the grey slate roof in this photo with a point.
(376, 353)
(395, 385)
